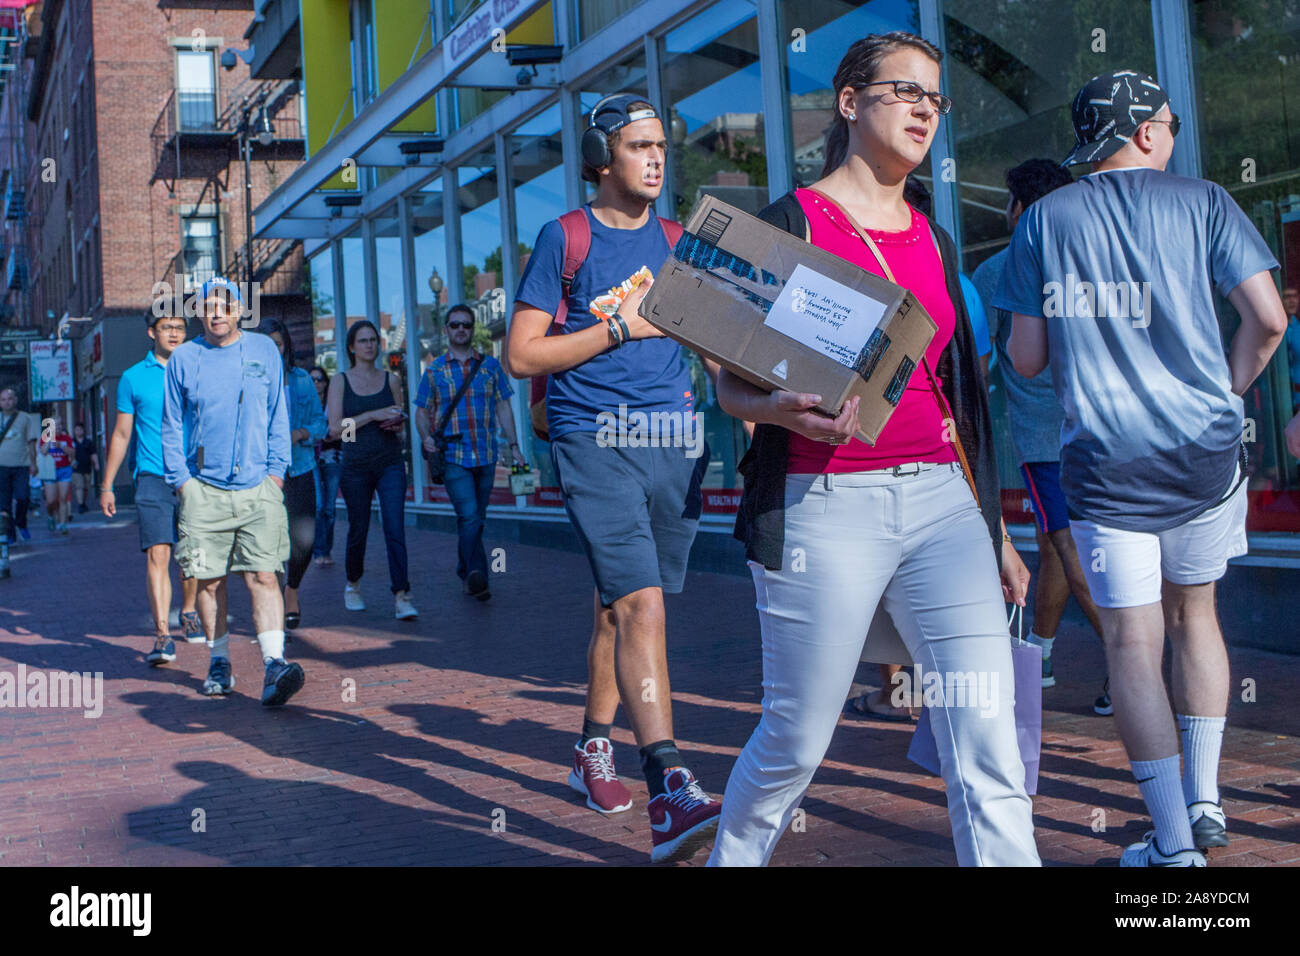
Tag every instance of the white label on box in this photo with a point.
(825, 315)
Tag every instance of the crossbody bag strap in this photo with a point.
(8, 425)
(939, 397)
(460, 393)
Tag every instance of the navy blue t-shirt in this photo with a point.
(645, 375)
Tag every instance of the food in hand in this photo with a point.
(606, 305)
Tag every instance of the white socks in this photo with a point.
(219, 647)
(1044, 642)
(1202, 740)
(1163, 792)
(272, 644)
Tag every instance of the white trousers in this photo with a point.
(917, 546)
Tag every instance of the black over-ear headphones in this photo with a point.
(595, 146)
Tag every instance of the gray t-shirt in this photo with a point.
(1035, 414)
(14, 450)
(1122, 264)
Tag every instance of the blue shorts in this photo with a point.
(155, 503)
(1043, 482)
(635, 510)
(60, 474)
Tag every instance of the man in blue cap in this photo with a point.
(1112, 278)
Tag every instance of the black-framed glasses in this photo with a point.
(1174, 123)
(910, 92)
(460, 325)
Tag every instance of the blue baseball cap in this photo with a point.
(223, 283)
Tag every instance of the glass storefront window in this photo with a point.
(537, 166)
(828, 30)
(432, 293)
(713, 94)
(482, 280)
(1247, 68)
(1013, 68)
(321, 271)
(394, 324)
(354, 278)
(592, 15)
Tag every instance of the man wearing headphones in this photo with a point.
(634, 503)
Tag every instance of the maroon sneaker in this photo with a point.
(682, 818)
(593, 776)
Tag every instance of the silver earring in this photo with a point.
(853, 117)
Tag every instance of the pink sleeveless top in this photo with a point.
(915, 431)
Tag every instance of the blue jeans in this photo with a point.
(327, 491)
(470, 489)
(359, 485)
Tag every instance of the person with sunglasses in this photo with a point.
(471, 435)
(890, 527)
(1111, 279)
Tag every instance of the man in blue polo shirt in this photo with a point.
(139, 414)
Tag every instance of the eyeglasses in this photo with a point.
(1174, 124)
(910, 92)
(318, 380)
(460, 325)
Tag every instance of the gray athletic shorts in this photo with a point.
(636, 511)
(155, 504)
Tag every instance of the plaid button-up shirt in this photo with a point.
(472, 429)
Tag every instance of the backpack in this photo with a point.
(577, 244)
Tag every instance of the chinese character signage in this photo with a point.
(51, 371)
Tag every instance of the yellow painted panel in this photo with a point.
(327, 88)
(539, 27)
(403, 34)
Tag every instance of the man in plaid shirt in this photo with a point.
(471, 437)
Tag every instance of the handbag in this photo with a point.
(1027, 668)
(437, 459)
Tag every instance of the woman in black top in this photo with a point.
(365, 412)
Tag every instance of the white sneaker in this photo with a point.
(352, 599)
(405, 609)
(1147, 853)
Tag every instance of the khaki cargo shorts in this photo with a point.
(222, 530)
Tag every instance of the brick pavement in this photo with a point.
(467, 717)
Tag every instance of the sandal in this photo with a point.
(859, 707)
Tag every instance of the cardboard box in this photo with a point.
(781, 313)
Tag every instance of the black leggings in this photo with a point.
(300, 502)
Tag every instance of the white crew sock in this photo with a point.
(1044, 642)
(272, 644)
(1163, 792)
(219, 647)
(1202, 741)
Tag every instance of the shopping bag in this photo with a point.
(1027, 665)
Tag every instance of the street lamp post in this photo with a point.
(265, 134)
(435, 286)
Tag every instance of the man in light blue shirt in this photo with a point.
(225, 439)
(139, 414)
(1112, 279)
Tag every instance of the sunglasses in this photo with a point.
(910, 92)
(460, 325)
(318, 380)
(1173, 121)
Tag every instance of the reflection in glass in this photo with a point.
(321, 271)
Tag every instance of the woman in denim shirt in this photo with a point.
(307, 426)
(329, 466)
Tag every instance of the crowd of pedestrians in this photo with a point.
(1125, 414)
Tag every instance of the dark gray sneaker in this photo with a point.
(220, 680)
(283, 680)
(164, 651)
(1209, 825)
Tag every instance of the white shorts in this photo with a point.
(1124, 568)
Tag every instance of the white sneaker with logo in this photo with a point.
(1147, 853)
(405, 609)
(352, 599)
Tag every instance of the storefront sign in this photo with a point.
(51, 370)
(478, 31)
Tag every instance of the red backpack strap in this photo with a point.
(672, 231)
(577, 244)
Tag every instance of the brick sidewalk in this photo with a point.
(468, 717)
